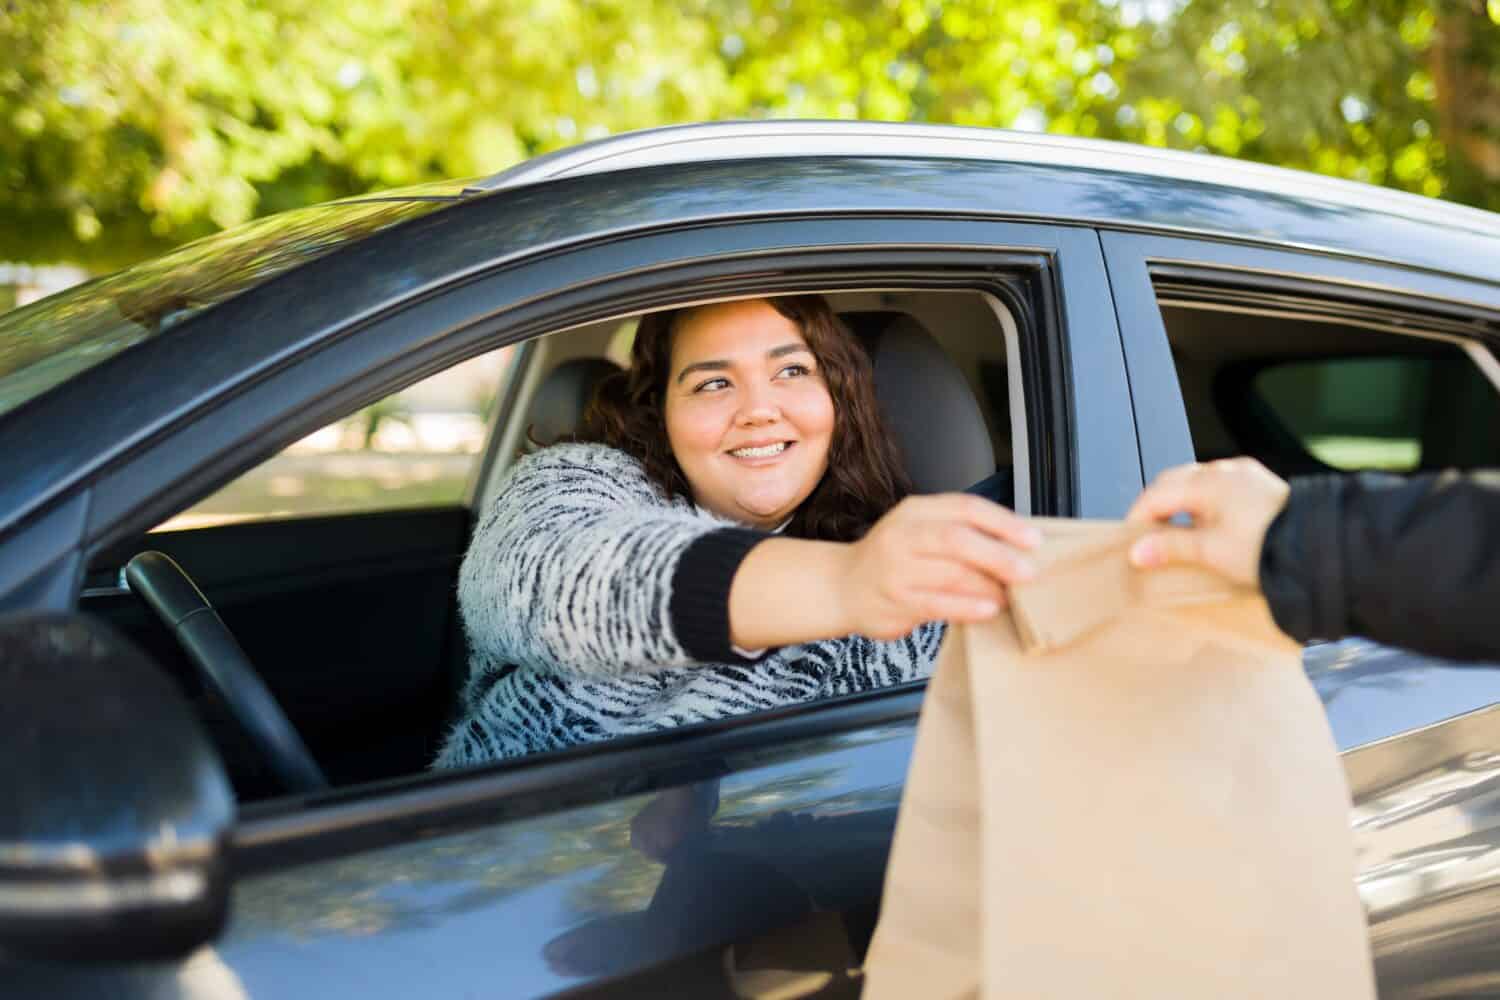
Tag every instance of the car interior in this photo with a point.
(350, 619)
(1306, 389)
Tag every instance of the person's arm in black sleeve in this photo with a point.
(1406, 562)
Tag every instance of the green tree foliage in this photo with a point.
(1391, 92)
(131, 125)
(127, 126)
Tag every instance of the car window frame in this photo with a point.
(1134, 259)
(1067, 257)
(240, 429)
(1453, 307)
(277, 829)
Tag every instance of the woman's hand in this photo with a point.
(1231, 502)
(946, 557)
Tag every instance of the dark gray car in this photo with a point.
(254, 816)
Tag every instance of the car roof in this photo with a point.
(747, 140)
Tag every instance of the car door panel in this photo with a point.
(564, 901)
(1427, 815)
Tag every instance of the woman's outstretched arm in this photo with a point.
(580, 565)
(945, 557)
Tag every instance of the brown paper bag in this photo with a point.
(1125, 787)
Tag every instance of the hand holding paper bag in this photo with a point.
(1125, 787)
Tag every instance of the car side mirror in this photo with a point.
(114, 807)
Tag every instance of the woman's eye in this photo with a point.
(796, 369)
(712, 385)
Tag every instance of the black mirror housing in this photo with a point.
(116, 809)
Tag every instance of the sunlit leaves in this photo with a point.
(129, 125)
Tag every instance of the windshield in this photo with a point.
(50, 341)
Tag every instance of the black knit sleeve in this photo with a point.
(700, 593)
(1408, 562)
(1301, 568)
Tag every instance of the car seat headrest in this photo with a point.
(558, 407)
(930, 410)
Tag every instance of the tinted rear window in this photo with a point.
(1397, 414)
(52, 340)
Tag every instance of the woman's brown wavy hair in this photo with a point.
(865, 476)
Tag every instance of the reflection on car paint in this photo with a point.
(565, 898)
(1426, 824)
(1372, 692)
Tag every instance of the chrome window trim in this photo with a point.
(742, 140)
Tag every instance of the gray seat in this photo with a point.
(558, 407)
(930, 409)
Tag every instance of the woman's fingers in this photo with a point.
(998, 561)
(952, 576)
(946, 557)
(1001, 522)
(935, 606)
(984, 515)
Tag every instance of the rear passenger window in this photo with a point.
(1395, 414)
(1312, 385)
(1316, 386)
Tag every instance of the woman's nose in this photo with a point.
(757, 407)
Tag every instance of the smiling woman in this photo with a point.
(735, 488)
(748, 414)
(708, 381)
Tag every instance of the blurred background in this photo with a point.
(128, 127)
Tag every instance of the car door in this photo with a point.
(530, 877)
(1317, 363)
(786, 870)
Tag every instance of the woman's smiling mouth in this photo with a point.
(761, 451)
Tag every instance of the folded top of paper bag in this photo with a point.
(1085, 580)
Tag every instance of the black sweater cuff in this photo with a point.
(700, 593)
(1302, 564)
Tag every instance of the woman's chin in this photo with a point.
(763, 509)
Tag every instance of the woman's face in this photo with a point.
(748, 414)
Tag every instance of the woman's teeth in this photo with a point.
(764, 452)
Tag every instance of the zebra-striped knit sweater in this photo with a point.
(596, 607)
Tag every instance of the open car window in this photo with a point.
(335, 563)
